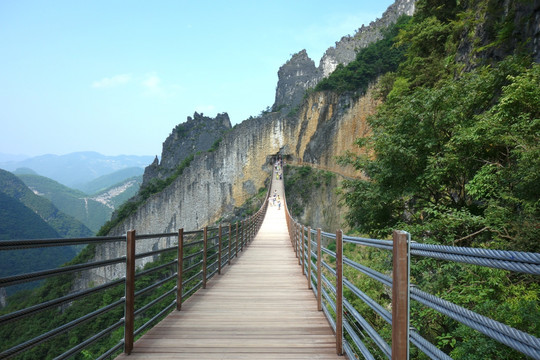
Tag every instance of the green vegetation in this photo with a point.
(299, 185)
(456, 162)
(215, 145)
(25, 329)
(376, 59)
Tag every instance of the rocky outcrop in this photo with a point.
(300, 73)
(345, 50)
(294, 78)
(198, 134)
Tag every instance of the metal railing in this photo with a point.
(148, 294)
(323, 269)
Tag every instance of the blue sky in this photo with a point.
(116, 76)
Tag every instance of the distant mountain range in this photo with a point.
(36, 207)
(107, 194)
(77, 169)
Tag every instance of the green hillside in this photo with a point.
(93, 211)
(90, 212)
(18, 221)
(105, 182)
(65, 225)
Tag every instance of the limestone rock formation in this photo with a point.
(199, 133)
(300, 72)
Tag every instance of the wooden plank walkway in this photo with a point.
(259, 308)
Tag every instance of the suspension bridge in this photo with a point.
(263, 288)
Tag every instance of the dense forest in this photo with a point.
(454, 159)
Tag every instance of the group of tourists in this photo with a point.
(278, 167)
(275, 199)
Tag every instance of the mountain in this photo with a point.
(93, 211)
(104, 182)
(198, 134)
(24, 215)
(65, 225)
(77, 168)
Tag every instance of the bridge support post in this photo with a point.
(319, 268)
(236, 247)
(219, 251)
(180, 277)
(129, 315)
(302, 250)
(339, 292)
(400, 296)
(309, 257)
(242, 231)
(205, 248)
(298, 244)
(230, 242)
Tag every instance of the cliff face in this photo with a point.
(197, 134)
(217, 181)
(325, 126)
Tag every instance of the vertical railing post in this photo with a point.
(303, 249)
(400, 296)
(219, 251)
(319, 275)
(242, 228)
(309, 257)
(299, 244)
(180, 274)
(339, 292)
(236, 247)
(230, 242)
(205, 247)
(129, 315)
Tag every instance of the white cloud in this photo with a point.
(112, 81)
(152, 84)
(155, 87)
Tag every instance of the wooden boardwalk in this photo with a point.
(259, 308)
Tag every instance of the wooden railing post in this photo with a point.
(400, 296)
(319, 275)
(303, 249)
(129, 315)
(339, 292)
(219, 251)
(180, 274)
(236, 247)
(205, 247)
(230, 242)
(242, 228)
(299, 248)
(309, 257)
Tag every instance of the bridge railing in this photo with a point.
(141, 297)
(324, 271)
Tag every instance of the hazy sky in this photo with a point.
(116, 76)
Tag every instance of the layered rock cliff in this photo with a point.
(216, 182)
(199, 133)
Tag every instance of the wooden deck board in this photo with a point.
(259, 308)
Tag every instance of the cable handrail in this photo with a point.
(514, 261)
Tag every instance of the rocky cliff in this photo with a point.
(300, 73)
(199, 133)
(324, 127)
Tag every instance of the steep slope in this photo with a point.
(65, 225)
(37, 220)
(104, 182)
